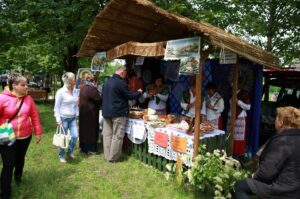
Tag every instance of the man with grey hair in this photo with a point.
(115, 96)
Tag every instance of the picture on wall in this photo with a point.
(80, 75)
(188, 47)
(98, 62)
(187, 51)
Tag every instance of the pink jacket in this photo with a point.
(27, 119)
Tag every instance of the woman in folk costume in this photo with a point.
(243, 104)
(158, 94)
(188, 101)
(213, 106)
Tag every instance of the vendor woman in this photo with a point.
(158, 95)
(188, 101)
(213, 106)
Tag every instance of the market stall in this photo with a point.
(144, 22)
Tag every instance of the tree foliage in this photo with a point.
(44, 35)
(39, 35)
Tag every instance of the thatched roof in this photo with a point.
(142, 21)
(136, 49)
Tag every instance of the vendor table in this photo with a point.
(159, 146)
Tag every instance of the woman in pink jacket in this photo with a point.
(25, 122)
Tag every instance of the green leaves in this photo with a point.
(44, 35)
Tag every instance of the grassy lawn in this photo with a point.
(87, 176)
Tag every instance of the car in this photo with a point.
(281, 88)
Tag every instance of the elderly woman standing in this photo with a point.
(65, 112)
(15, 99)
(278, 173)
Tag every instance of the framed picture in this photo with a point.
(98, 62)
(187, 51)
(177, 49)
(81, 74)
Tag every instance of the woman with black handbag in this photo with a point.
(18, 108)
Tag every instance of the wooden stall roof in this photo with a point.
(136, 49)
(142, 21)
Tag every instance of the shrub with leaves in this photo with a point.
(214, 171)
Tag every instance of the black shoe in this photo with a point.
(18, 181)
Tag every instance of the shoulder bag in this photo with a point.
(7, 135)
(60, 138)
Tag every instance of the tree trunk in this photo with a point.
(71, 61)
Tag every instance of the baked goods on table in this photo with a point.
(207, 127)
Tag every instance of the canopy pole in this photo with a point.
(203, 56)
(233, 104)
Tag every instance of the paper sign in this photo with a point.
(139, 61)
(227, 57)
(138, 131)
(179, 144)
(161, 139)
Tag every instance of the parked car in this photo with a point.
(281, 88)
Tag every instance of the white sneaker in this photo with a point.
(72, 156)
(62, 160)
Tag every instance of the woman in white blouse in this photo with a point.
(65, 112)
(158, 94)
(213, 105)
(188, 101)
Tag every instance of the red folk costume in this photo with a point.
(243, 105)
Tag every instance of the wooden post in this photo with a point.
(203, 56)
(233, 105)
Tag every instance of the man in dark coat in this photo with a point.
(278, 174)
(115, 110)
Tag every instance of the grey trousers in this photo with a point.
(113, 134)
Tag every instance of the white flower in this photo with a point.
(167, 175)
(218, 193)
(217, 152)
(218, 180)
(219, 187)
(208, 154)
(229, 163)
(189, 175)
(229, 195)
(237, 174)
(226, 175)
(169, 166)
(224, 153)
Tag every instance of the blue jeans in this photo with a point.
(69, 124)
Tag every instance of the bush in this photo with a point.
(211, 171)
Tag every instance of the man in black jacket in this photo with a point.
(115, 96)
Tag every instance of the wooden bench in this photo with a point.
(38, 94)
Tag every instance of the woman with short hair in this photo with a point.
(278, 173)
(15, 104)
(65, 112)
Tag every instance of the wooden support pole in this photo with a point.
(233, 104)
(203, 55)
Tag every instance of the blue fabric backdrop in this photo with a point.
(220, 74)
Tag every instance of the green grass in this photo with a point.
(88, 176)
